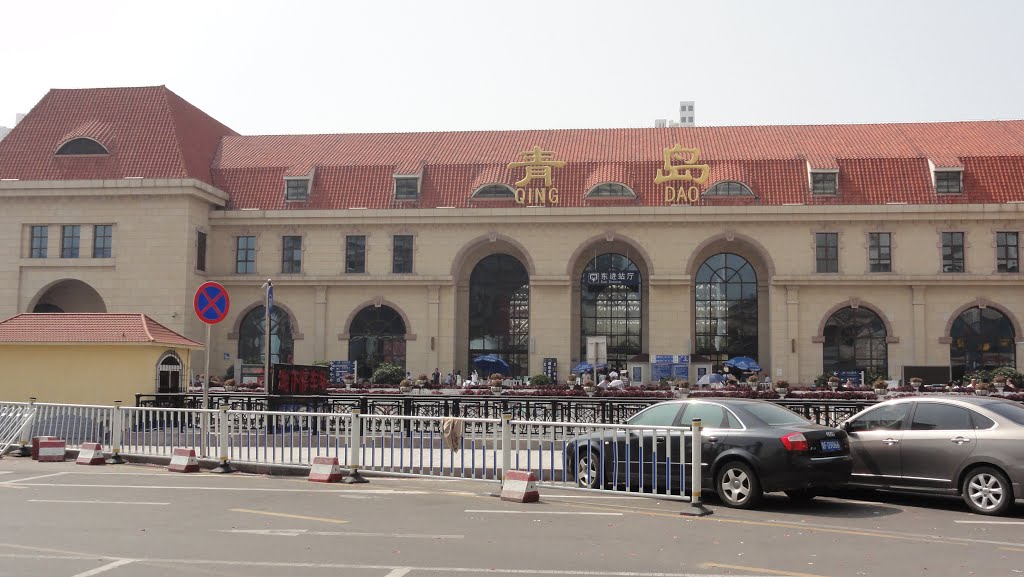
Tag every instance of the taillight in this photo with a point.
(795, 442)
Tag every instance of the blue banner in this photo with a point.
(339, 369)
(613, 277)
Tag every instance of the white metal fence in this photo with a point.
(638, 459)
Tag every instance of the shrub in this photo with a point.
(388, 374)
(497, 377)
(540, 380)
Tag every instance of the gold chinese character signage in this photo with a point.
(682, 166)
(538, 165)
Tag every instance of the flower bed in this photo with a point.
(734, 393)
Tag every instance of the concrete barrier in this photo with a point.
(35, 445)
(520, 487)
(91, 454)
(325, 470)
(183, 461)
(51, 450)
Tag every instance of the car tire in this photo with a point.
(802, 494)
(987, 491)
(737, 485)
(588, 469)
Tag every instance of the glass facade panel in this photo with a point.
(245, 255)
(953, 252)
(407, 188)
(824, 182)
(377, 335)
(855, 341)
(71, 235)
(948, 182)
(499, 311)
(296, 189)
(252, 336)
(981, 338)
(355, 254)
(291, 254)
(401, 256)
(40, 238)
(726, 326)
(880, 252)
(102, 241)
(1006, 252)
(612, 310)
(826, 251)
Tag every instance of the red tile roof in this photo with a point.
(149, 132)
(153, 133)
(93, 328)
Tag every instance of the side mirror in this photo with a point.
(845, 426)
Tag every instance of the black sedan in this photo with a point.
(749, 447)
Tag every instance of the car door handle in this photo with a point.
(711, 440)
(960, 440)
(890, 441)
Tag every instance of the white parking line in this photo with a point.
(304, 532)
(20, 481)
(104, 568)
(502, 511)
(201, 488)
(95, 502)
(398, 571)
(990, 522)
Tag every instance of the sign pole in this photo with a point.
(266, 335)
(206, 394)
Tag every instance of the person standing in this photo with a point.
(458, 378)
(436, 377)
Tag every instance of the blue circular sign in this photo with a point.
(211, 303)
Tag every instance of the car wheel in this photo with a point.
(987, 491)
(802, 494)
(588, 470)
(737, 485)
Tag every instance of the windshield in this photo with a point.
(1011, 411)
(775, 415)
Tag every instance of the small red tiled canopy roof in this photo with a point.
(91, 328)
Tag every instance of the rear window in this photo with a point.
(1011, 411)
(775, 415)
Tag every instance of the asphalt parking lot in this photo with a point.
(63, 520)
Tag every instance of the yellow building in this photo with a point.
(810, 248)
(90, 358)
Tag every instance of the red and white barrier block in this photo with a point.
(520, 487)
(183, 461)
(91, 454)
(325, 470)
(52, 450)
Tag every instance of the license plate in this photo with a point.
(831, 446)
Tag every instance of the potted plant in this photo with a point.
(684, 387)
(982, 389)
(781, 387)
(349, 379)
(405, 386)
(421, 380)
(229, 384)
(881, 387)
(571, 380)
(1000, 382)
(916, 383)
(833, 382)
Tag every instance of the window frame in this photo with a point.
(248, 251)
(289, 264)
(728, 185)
(627, 191)
(406, 177)
(351, 255)
(72, 251)
(509, 194)
(831, 252)
(291, 195)
(201, 241)
(949, 265)
(1002, 247)
(107, 249)
(942, 186)
(41, 250)
(408, 260)
(75, 142)
(817, 175)
(876, 259)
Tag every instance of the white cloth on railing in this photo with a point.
(451, 432)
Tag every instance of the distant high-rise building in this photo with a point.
(686, 117)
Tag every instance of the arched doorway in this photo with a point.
(252, 333)
(855, 340)
(69, 296)
(725, 295)
(499, 311)
(981, 339)
(611, 305)
(169, 373)
(376, 335)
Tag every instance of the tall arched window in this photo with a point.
(726, 308)
(251, 334)
(981, 338)
(855, 341)
(499, 311)
(377, 335)
(611, 305)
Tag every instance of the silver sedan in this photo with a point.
(970, 446)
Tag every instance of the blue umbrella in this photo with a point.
(744, 364)
(586, 367)
(489, 364)
(711, 379)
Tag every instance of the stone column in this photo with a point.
(551, 326)
(320, 324)
(433, 326)
(792, 334)
(920, 336)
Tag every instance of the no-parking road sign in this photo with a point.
(211, 303)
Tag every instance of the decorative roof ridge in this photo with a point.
(165, 98)
(145, 326)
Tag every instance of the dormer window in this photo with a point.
(407, 187)
(824, 183)
(81, 146)
(729, 188)
(611, 190)
(948, 181)
(494, 191)
(296, 189)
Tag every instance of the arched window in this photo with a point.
(168, 374)
(855, 341)
(611, 305)
(499, 311)
(81, 146)
(726, 308)
(981, 338)
(494, 191)
(377, 335)
(251, 343)
(611, 190)
(729, 188)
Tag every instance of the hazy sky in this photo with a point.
(396, 66)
